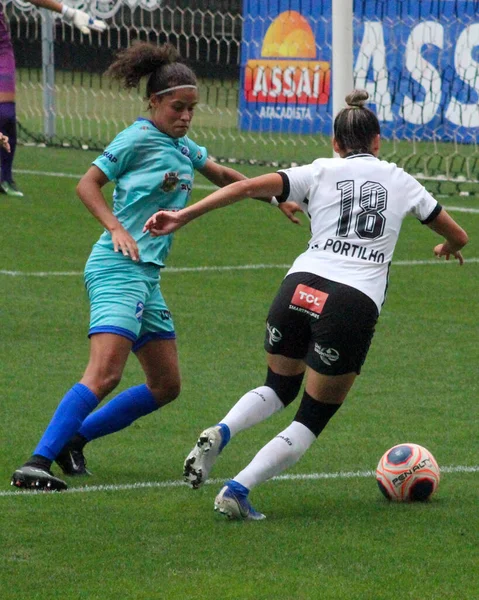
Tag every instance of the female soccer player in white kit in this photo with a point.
(323, 318)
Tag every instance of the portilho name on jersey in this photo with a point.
(353, 250)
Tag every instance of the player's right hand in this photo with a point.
(4, 143)
(83, 21)
(164, 222)
(124, 243)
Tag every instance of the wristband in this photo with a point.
(68, 12)
(274, 202)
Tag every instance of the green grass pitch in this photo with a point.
(147, 537)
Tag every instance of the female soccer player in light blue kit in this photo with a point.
(152, 163)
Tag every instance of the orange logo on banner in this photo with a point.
(303, 80)
(309, 298)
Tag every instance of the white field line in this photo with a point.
(463, 209)
(174, 484)
(397, 263)
(400, 263)
(198, 186)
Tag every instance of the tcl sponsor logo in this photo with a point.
(309, 298)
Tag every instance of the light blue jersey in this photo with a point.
(151, 171)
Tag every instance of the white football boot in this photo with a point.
(201, 459)
(236, 506)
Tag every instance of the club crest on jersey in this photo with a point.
(140, 307)
(308, 300)
(185, 150)
(169, 181)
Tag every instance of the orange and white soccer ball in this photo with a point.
(408, 472)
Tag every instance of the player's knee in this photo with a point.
(166, 391)
(101, 384)
(286, 387)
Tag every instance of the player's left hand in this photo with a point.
(164, 222)
(289, 209)
(83, 21)
(4, 143)
(445, 250)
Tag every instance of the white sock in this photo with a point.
(255, 406)
(279, 454)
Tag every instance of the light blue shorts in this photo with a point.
(125, 299)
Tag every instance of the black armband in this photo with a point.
(433, 215)
(286, 187)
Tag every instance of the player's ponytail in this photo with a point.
(161, 64)
(356, 126)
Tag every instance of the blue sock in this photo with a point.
(77, 404)
(120, 412)
(241, 490)
(225, 435)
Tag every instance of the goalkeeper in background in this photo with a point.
(8, 119)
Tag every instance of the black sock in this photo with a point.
(315, 415)
(78, 441)
(40, 462)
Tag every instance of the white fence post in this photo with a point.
(48, 74)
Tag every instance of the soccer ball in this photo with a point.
(408, 472)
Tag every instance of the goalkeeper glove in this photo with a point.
(82, 20)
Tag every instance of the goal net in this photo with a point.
(265, 72)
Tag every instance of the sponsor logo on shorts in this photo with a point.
(140, 307)
(327, 355)
(308, 300)
(274, 334)
(169, 181)
(165, 315)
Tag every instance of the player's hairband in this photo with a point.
(176, 87)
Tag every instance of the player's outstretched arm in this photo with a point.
(80, 19)
(222, 176)
(456, 237)
(162, 222)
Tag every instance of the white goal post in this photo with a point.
(342, 52)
